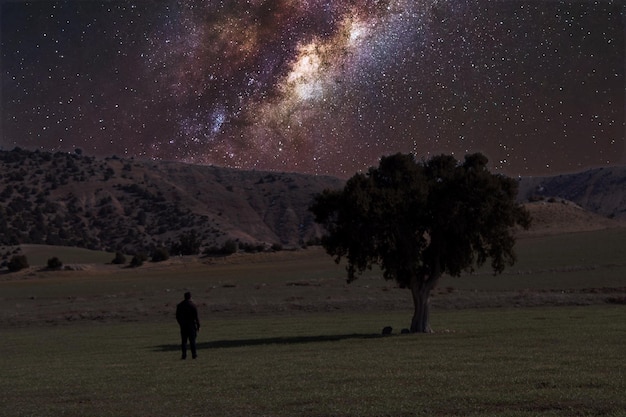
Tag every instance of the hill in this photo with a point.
(555, 216)
(601, 191)
(133, 206)
(129, 205)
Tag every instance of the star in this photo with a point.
(318, 86)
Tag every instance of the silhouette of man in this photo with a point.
(187, 318)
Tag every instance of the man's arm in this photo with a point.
(196, 318)
(178, 314)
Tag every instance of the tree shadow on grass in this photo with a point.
(217, 344)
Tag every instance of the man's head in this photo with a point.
(187, 295)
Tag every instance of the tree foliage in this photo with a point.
(419, 220)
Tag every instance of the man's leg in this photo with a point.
(183, 343)
(192, 343)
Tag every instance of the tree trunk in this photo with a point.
(420, 290)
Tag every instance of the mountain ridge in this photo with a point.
(131, 206)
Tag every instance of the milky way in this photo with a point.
(314, 86)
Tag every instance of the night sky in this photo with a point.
(318, 86)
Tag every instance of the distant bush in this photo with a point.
(119, 259)
(188, 244)
(252, 247)
(17, 262)
(160, 254)
(277, 247)
(138, 260)
(55, 263)
(230, 247)
(212, 251)
(314, 241)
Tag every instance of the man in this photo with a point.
(187, 318)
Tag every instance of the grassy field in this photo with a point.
(283, 335)
(38, 255)
(566, 361)
(571, 269)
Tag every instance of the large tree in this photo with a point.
(420, 219)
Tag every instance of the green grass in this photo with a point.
(38, 255)
(67, 348)
(577, 260)
(506, 362)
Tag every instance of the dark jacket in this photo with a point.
(187, 315)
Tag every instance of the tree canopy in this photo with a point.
(420, 219)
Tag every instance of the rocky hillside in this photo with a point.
(601, 191)
(129, 205)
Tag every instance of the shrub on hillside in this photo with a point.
(138, 260)
(54, 263)
(314, 241)
(188, 244)
(230, 247)
(160, 254)
(212, 251)
(252, 247)
(17, 262)
(119, 259)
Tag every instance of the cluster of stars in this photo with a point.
(318, 86)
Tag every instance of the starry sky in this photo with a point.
(318, 86)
